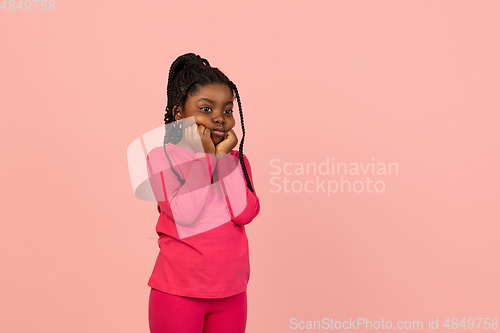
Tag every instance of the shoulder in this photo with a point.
(156, 152)
(170, 148)
(236, 154)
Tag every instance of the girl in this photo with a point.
(205, 197)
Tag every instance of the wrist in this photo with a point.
(209, 151)
(221, 152)
(220, 155)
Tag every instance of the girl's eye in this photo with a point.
(208, 109)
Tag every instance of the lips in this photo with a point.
(219, 131)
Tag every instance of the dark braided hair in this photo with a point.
(187, 74)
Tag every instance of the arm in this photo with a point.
(182, 203)
(243, 204)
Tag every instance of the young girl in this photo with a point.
(205, 197)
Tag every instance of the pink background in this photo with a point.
(409, 82)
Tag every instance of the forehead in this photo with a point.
(216, 92)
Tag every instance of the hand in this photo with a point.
(193, 133)
(227, 144)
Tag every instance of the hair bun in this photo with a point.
(197, 60)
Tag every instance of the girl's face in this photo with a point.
(212, 107)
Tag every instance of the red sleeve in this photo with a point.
(243, 204)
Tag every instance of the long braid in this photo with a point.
(249, 184)
(165, 140)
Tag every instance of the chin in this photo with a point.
(214, 140)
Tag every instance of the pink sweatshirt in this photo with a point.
(203, 244)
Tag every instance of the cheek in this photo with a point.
(200, 119)
(230, 123)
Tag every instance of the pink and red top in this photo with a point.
(203, 244)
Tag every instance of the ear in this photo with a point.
(177, 113)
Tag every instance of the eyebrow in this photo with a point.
(210, 101)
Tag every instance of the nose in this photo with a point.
(218, 117)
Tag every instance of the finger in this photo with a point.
(231, 133)
(207, 132)
(190, 133)
(194, 131)
(201, 130)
